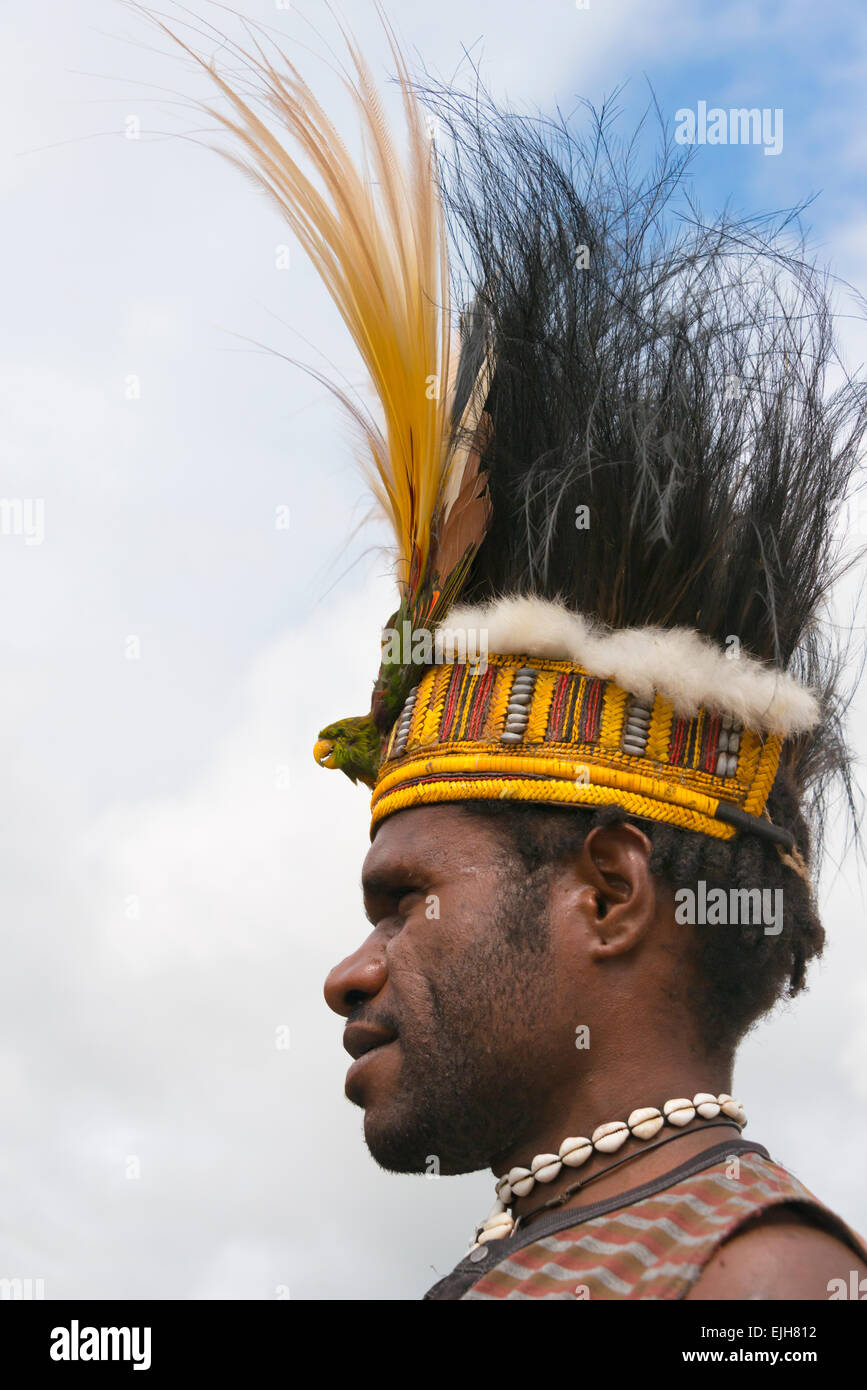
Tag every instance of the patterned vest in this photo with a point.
(651, 1242)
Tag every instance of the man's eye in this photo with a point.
(407, 898)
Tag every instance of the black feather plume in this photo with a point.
(671, 375)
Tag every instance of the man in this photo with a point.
(605, 713)
(463, 1024)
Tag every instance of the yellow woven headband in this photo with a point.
(532, 729)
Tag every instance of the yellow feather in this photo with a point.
(375, 232)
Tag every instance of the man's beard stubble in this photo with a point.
(466, 1086)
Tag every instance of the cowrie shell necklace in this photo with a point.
(607, 1138)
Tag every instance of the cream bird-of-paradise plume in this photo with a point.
(374, 229)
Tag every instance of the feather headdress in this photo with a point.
(629, 477)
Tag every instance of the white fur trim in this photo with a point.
(686, 667)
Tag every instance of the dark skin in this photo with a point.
(462, 1007)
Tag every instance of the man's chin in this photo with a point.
(373, 1083)
(406, 1128)
(392, 1133)
(404, 1144)
(391, 1153)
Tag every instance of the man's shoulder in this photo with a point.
(782, 1254)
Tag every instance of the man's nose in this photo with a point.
(357, 978)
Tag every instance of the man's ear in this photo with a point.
(619, 900)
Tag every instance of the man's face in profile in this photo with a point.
(451, 1002)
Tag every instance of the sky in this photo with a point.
(179, 875)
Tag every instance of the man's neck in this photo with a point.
(647, 1159)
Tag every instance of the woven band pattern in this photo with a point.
(530, 729)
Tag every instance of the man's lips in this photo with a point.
(359, 1038)
(367, 1043)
